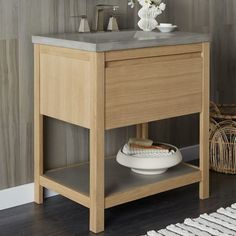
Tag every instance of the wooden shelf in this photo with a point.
(121, 184)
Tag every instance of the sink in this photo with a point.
(121, 36)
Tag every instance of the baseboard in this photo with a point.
(24, 194)
(20, 195)
(16, 196)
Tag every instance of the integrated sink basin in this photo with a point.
(121, 36)
(110, 41)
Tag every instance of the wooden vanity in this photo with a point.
(105, 89)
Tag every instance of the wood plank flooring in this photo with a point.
(61, 217)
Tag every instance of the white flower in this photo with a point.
(157, 2)
(149, 3)
(159, 11)
(142, 2)
(131, 3)
(162, 6)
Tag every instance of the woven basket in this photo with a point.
(223, 138)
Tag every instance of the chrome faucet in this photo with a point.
(99, 15)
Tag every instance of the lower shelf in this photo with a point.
(121, 184)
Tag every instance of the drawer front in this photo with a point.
(65, 85)
(149, 89)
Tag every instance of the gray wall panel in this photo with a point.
(10, 171)
(8, 19)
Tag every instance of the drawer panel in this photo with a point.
(142, 90)
(65, 85)
(153, 52)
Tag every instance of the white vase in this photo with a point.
(148, 17)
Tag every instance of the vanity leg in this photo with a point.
(97, 133)
(204, 126)
(38, 132)
(142, 130)
(97, 201)
(38, 159)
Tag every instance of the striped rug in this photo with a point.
(222, 222)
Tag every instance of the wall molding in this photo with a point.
(16, 196)
(20, 195)
(24, 194)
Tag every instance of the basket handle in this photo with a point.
(214, 108)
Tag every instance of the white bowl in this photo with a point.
(150, 165)
(166, 29)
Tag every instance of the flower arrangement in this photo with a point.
(149, 11)
(149, 3)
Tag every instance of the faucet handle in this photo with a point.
(83, 25)
(112, 25)
(115, 8)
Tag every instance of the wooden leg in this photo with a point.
(38, 132)
(142, 130)
(204, 127)
(204, 156)
(97, 200)
(38, 159)
(97, 160)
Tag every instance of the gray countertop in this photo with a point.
(110, 41)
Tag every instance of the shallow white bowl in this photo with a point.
(166, 29)
(150, 165)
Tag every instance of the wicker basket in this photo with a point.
(223, 138)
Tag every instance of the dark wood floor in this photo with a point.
(61, 217)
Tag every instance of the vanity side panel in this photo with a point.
(65, 84)
(154, 88)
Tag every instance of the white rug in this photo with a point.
(222, 223)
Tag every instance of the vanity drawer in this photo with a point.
(148, 89)
(65, 85)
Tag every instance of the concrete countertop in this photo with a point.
(110, 41)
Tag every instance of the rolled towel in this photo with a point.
(141, 141)
(136, 150)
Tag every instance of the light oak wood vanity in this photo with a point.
(108, 80)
